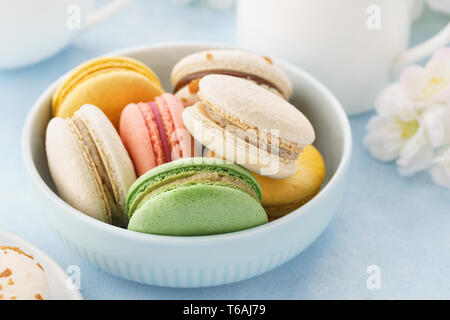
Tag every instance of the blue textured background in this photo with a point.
(400, 224)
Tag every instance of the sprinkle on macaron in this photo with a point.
(21, 278)
(249, 125)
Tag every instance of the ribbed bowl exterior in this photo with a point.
(203, 264)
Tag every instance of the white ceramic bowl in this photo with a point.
(209, 260)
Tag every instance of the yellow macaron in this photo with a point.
(109, 83)
(280, 197)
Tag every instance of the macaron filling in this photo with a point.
(239, 74)
(153, 132)
(193, 173)
(263, 140)
(204, 177)
(162, 132)
(169, 129)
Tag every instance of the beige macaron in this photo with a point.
(89, 164)
(259, 69)
(247, 124)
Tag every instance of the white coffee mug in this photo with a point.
(355, 47)
(31, 31)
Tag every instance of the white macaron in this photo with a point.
(244, 123)
(89, 164)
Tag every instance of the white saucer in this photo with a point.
(60, 287)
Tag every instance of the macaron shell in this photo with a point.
(75, 180)
(257, 107)
(212, 209)
(26, 279)
(234, 60)
(181, 140)
(157, 175)
(140, 134)
(92, 67)
(283, 196)
(137, 139)
(114, 155)
(163, 122)
(187, 97)
(111, 90)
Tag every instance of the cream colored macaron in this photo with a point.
(259, 69)
(247, 124)
(89, 164)
(21, 276)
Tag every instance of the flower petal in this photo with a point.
(436, 120)
(443, 96)
(413, 80)
(439, 64)
(417, 154)
(383, 139)
(440, 171)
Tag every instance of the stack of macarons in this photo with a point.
(92, 166)
(122, 151)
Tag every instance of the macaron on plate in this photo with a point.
(127, 185)
(30, 273)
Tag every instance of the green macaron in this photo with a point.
(194, 197)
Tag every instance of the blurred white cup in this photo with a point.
(31, 31)
(354, 46)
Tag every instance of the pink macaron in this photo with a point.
(153, 132)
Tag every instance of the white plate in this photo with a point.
(58, 281)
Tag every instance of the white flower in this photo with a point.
(413, 117)
(416, 155)
(436, 119)
(440, 171)
(398, 132)
(430, 84)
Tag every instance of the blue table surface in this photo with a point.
(399, 224)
